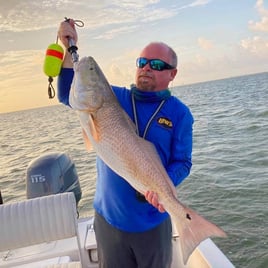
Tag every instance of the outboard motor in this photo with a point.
(51, 174)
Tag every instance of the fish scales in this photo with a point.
(117, 141)
(111, 133)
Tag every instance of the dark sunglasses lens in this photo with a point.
(157, 65)
(141, 62)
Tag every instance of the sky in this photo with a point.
(214, 39)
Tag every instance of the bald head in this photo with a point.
(149, 79)
(163, 49)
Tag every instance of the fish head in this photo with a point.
(88, 87)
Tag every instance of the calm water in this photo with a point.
(229, 179)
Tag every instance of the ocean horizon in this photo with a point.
(228, 183)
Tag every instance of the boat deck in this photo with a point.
(50, 241)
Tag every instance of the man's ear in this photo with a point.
(173, 73)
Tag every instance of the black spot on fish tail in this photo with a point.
(188, 216)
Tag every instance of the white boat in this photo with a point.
(45, 231)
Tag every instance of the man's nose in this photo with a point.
(146, 67)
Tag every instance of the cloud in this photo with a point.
(196, 3)
(262, 25)
(256, 46)
(25, 15)
(11, 71)
(205, 43)
(21, 16)
(23, 84)
(199, 3)
(128, 15)
(260, 8)
(133, 3)
(110, 34)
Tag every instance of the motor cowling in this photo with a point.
(52, 173)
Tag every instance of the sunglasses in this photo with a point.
(155, 64)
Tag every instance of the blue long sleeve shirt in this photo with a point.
(170, 130)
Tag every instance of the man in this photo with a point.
(133, 230)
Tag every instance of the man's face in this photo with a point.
(148, 79)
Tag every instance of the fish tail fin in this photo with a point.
(193, 230)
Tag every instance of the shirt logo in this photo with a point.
(165, 122)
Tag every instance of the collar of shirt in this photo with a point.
(153, 96)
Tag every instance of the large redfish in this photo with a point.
(111, 133)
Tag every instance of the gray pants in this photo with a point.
(118, 249)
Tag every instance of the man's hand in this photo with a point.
(152, 198)
(67, 30)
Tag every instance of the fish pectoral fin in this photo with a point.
(89, 129)
(93, 128)
(87, 141)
